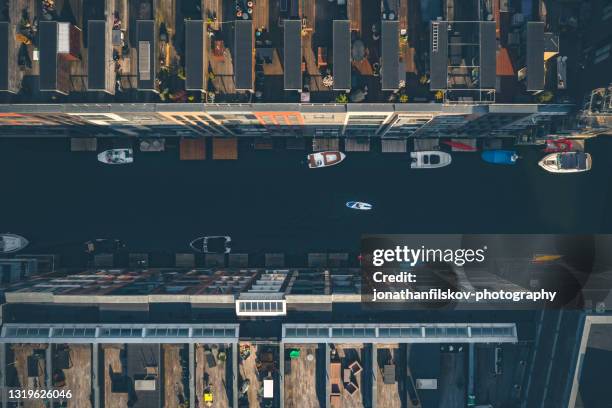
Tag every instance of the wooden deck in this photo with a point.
(213, 8)
(22, 352)
(215, 376)
(387, 395)
(354, 14)
(127, 63)
(261, 14)
(223, 68)
(174, 391)
(308, 13)
(301, 382)
(316, 79)
(112, 363)
(78, 377)
(16, 8)
(248, 371)
(347, 354)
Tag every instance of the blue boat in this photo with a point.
(500, 156)
(358, 205)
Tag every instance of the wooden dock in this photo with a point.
(193, 149)
(225, 148)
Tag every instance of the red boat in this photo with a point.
(464, 147)
(558, 145)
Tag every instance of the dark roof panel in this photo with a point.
(194, 55)
(243, 54)
(535, 56)
(96, 55)
(293, 54)
(342, 55)
(390, 55)
(4, 55)
(47, 44)
(145, 34)
(438, 57)
(488, 54)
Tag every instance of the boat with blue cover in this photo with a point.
(500, 156)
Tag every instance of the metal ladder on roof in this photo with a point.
(434, 39)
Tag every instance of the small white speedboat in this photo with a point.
(116, 156)
(430, 159)
(566, 162)
(12, 243)
(325, 159)
(359, 205)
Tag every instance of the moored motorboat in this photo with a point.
(567, 162)
(116, 156)
(359, 205)
(12, 243)
(429, 159)
(216, 244)
(325, 159)
(500, 156)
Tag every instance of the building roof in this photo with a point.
(194, 55)
(535, 56)
(145, 33)
(4, 55)
(47, 34)
(293, 54)
(390, 55)
(243, 54)
(504, 63)
(438, 58)
(488, 48)
(342, 54)
(96, 55)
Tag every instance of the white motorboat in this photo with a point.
(217, 244)
(12, 243)
(359, 205)
(325, 159)
(566, 162)
(430, 159)
(116, 156)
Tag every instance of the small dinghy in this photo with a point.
(12, 243)
(358, 205)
